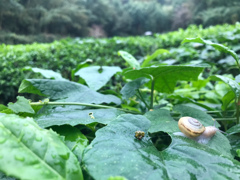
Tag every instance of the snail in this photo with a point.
(193, 129)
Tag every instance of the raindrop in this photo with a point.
(53, 156)
(2, 140)
(19, 158)
(36, 166)
(38, 138)
(65, 156)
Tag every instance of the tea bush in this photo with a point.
(65, 55)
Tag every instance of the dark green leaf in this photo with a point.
(161, 120)
(232, 83)
(235, 129)
(97, 76)
(116, 152)
(29, 152)
(166, 76)
(73, 116)
(65, 91)
(129, 59)
(74, 139)
(129, 89)
(22, 105)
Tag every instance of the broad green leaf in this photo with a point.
(29, 152)
(129, 89)
(65, 91)
(153, 56)
(161, 120)
(219, 47)
(166, 77)
(73, 116)
(97, 76)
(129, 59)
(218, 142)
(232, 83)
(227, 99)
(116, 152)
(74, 139)
(22, 105)
(46, 73)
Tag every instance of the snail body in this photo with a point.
(193, 129)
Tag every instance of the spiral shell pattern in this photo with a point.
(190, 127)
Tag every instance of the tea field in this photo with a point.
(108, 109)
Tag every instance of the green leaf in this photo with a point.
(233, 137)
(235, 129)
(218, 142)
(219, 47)
(29, 152)
(97, 76)
(166, 77)
(238, 152)
(116, 152)
(129, 89)
(73, 116)
(227, 99)
(46, 73)
(129, 59)
(2, 107)
(22, 105)
(153, 56)
(232, 83)
(74, 139)
(65, 91)
(161, 120)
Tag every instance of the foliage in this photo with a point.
(66, 56)
(44, 21)
(122, 122)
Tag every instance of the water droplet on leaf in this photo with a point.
(65, 156)
(19, 158)
(38, 138)
(2, 140)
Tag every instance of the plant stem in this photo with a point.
(141, 97)
(152, 93)
(80, 104)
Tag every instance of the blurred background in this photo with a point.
(27, 21)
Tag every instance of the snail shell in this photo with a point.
(193, 129)
(190, 127)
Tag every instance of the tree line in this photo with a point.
(111, 17)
